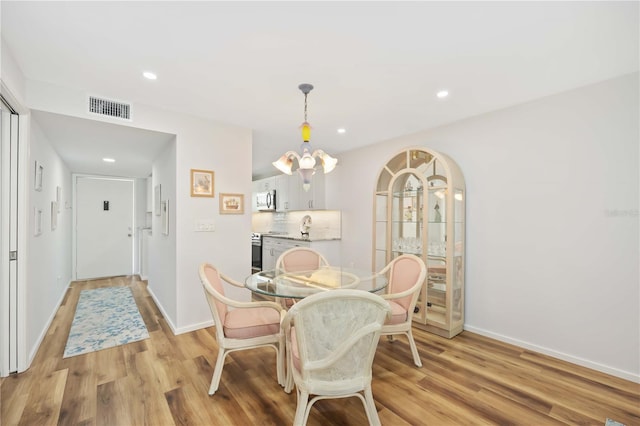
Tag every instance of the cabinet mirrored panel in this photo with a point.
(419, 209)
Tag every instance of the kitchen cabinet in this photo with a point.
(264, 185)
(290, 195)
(420, 209)
(284, 184)
(273, 247)
(314, 198)
(296, 198)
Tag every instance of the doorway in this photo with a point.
(104, 227)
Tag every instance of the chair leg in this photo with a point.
(370, 407)
(302, 409)
(288, 381)
(217, 372)
(414, 349)
(280, 367)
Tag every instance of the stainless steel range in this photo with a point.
(256, 252)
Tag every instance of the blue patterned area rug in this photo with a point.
(105, 317)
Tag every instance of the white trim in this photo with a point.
(162, 310)
(555, 354)
(194, 327)
(74, 219)
(45, 329)
(173, 328)
(24, 233)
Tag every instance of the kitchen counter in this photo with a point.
(299, 237)
(273, 245)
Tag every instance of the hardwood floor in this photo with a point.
(468, 380)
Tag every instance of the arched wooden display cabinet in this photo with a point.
(419, 207)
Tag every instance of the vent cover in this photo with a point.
(109, 108)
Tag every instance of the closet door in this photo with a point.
(8, 238)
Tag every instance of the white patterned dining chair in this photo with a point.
(406, 275)
(331, 339)
(241, 325)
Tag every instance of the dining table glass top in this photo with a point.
(300, 284)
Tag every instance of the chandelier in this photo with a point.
(307, 158)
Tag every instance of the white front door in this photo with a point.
(104, 227)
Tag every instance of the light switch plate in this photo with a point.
(206, 225)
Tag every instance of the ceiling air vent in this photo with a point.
(109, 108)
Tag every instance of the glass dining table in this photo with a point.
(298, 285)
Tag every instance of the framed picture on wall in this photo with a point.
(156, 199)
(231, 203)
(39, 172)
(202, 183)
(37, 221)
(164, 205)
(58, 197)
(54, 215)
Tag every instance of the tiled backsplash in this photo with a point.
(324, 223)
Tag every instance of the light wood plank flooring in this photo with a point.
(468, 380)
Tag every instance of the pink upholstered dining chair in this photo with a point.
(331, 340)
(241, 325)
(407, 274)
(298, 259)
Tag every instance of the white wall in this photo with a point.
(48, 254)
(227, 151)
(162, 248)
(200, 144)
(11, 76)
(552, 221)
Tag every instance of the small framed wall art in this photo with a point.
(54, 215)
(165, 217)
(58, 197)
(231, 203)
(202, 183)
(156, 199)
(39, 172)
(37, 221)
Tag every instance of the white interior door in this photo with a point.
(104, 227)
(9, 239)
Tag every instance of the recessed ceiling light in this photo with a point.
(149, 75)
(342, 130)
(108, 160)
(442, 94)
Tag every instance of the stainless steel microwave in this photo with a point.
(266, 201)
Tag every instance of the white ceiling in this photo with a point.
(376, 66)
(84, 143)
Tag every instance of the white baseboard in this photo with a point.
(565, 357)
(173, 328)
(45, 330)
(162, 310)
(194, 327)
